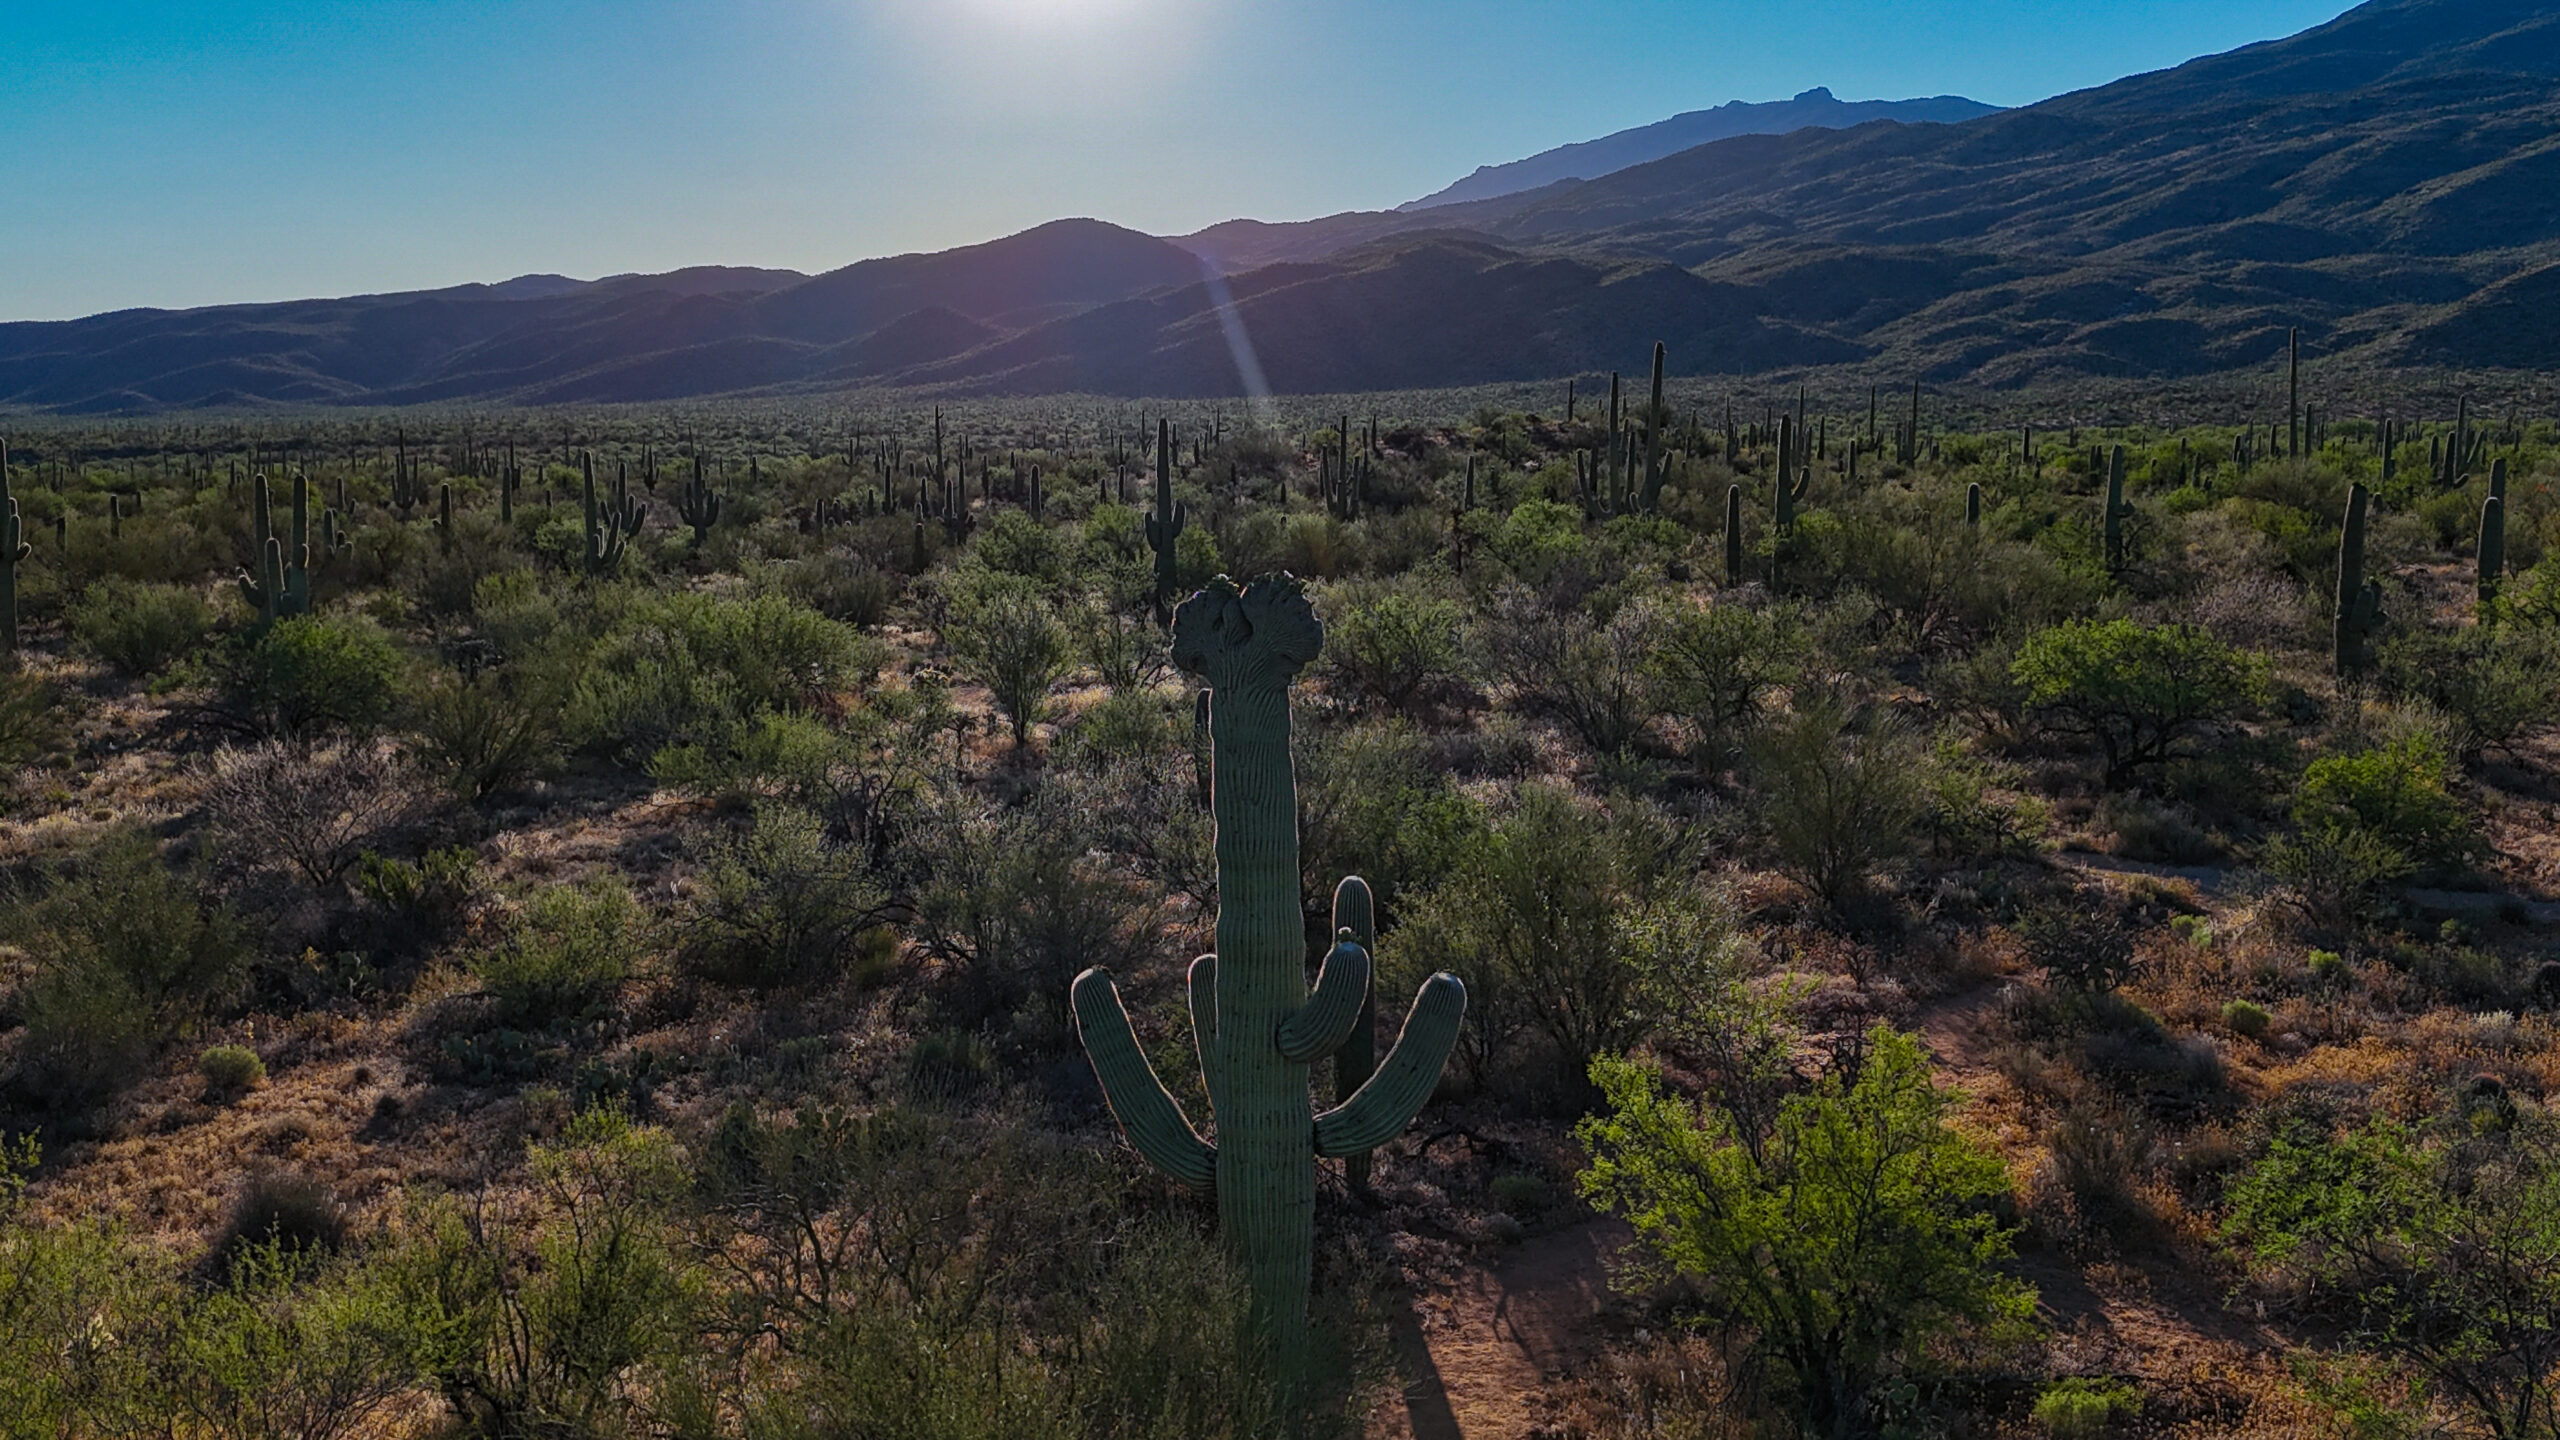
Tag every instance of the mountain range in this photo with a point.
(2385, 181)
(1815, 109)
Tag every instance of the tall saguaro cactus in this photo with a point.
(1165, 527)
(1656, 419)
(2360, 614)
(1258, 1026)
(2111, 523)
(13, 551)
(2493, 552)
(1733, 534)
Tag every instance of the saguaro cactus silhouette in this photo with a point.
(2359, 600)
(1258, 1026)
(2111, 520)
(1165, 527)
(13, 550)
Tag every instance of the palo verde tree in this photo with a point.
(1838, 1242)
(1259, 1028)
(2139, 691)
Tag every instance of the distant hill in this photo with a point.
(1815, 109)
(2389, 182)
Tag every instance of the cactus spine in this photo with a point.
(2111, 523)
(1165, 527)
(13, 553)
(1258, 1026)
(2359, 600)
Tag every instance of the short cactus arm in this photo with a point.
(1319, 1027)
(1148, 1114)
(1398, 1091)
(1204, 1021)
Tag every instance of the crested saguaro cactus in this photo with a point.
(1165, 527)
(2359, 600)
(1258, 1026)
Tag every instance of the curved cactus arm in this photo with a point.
(1204, 1022)
(1318, 1028)
(1397, 1092)
(1148, 1114)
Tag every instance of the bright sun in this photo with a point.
(1056, 15)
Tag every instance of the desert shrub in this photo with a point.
(1548, 916)
(1129, 724)
(291, 1342)
(127, 954)
(2101, 1148)
(1540, 543)
(33, 718)
(2078, 942)
(312, 673)
(690, 668)
(2335, 874)
(1015, 903)
(2141, 692)
(2435, 1247)
(1841, 1242)
(1590, 677)
(553, 1312)
(1013, 543)
(279, 1210)
(780, 905)
(311, 810)
(1715, 666)
(2246, 1018)
(426, 899)
(488, 732)
(231, 1068)
(1375, 801)
(2498, 682)
(1006, 635)
(1838, 791)
(2079, 1408)
(564, 956)
(140, 627)
(1122, 643)
(849, 588)
(1389, 645)
(2395, 793)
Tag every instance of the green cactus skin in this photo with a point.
(2359, 601)
(2493, 552)
(1789, 486)
(1258, 1026)
(444, 516)
(282, 585)
(1355, 920)
(13, 553)
(1655, 417)
(1166, 525)
(1973, 505)
(1733, 534)
(2293, 395)
(2111, 521)
(607, 541)
(699, 508)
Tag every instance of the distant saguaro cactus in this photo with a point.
(13, 552)
(2359, 600)
(1258, 1026)
(1165, 527)
(2111, 522)
(1733, 534)
(2493, 552)
(700, 508)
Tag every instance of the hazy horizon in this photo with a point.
(168, 156)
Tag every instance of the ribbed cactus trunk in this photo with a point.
(13, 550)
(2359, 601)
(1733, 534)
(1258, 1026)
(2111, 523)
(1654, 419)
(2493, 552)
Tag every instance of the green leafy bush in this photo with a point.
(2395, 793)
(2078, 1408)
(231, 1068)
(1838, 791)
(1389, 645)
(565, 956)
(1007, 637)
(137, 626)
(307, 673)
(1842, 1241)
(783, 904)
(2246, 1018)
(2141, 692)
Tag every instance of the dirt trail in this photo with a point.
(1481, 1357)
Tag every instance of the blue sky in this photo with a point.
(163, 153)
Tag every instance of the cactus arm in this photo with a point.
(1148, 1114)
(1319, 1027)
(1204, 1023)
(1404, 1083)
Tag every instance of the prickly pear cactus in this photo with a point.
(2359, 600)
(1258, 1026)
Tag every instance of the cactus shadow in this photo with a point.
(1428, 1412)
